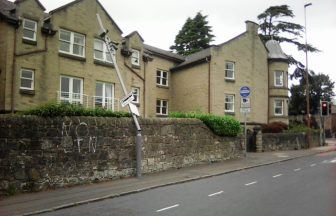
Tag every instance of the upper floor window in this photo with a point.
(27, 79)
(136, 94)
(161, 107)
(278, 78)
(72, 43)
(101, 52)
(29, 29)
(229, 103)
(135, 59)
(229, 70)
(162, 78)
(278, 107)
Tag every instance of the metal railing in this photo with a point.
(72, 98)
(105, 102)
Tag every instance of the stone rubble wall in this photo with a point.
(40, 153)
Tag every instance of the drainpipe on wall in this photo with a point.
(13, 73)
(144, 90)
(209, 86)
(268, 92)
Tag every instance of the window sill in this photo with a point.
(103, 63)
(162, 86)
(83, 59)
(230, 113)
(230, 80)
(30, 42)
(27, 91)
(136, 66)
(162, 115)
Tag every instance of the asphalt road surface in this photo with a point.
(300, 187)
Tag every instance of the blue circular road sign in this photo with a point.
(245, 91)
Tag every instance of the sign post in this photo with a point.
(245, 107)
(112, 46)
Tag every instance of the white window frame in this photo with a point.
(136, 93)
(229, 70)
(72, 43)
(29, 29)
(104, 97)
(71, 99)
(276, 106)
(161, 77)
(278, 78)
(231, 102)
(135, 56)
(105, 52)
(27, 78)
(161, 106)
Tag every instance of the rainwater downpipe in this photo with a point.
(209, 85)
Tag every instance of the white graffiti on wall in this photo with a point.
(82, 138)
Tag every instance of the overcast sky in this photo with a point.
(158, 22)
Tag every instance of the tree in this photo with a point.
(297, 102)
(273, 25)
(194, 36)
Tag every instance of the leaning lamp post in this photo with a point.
(307, 78)
(112, 47)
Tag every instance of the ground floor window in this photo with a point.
(229, 103)
(71, 90)
(27, 79)
(104, 95)
(161, 107)
(278, 107)
(136, 94)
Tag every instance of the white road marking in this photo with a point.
(312, 165)
(167, 208)
(214, 194)
(276, 176)
(251, 183)
(333, 161)
(298, 169)
(325, 161)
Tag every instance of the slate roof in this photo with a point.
(6, 11)
(275, 51)
(164, 53)
(194, 58)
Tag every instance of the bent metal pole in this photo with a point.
(112, 47)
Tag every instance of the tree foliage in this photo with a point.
(194, 36)
(321, 88)
(274, 24)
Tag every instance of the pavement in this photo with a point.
(48, 201)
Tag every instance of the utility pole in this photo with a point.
(112, 47)
(307, 80)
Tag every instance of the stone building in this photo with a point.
(58, 56)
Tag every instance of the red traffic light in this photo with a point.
(324, 108)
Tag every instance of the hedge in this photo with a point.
(220, 125)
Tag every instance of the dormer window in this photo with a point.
(29, 29)
(135, 59)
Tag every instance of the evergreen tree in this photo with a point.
(273, 25)
(194, 36)
(297, 102)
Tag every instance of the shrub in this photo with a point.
(65, 109)
(220, 125)
(274, 127)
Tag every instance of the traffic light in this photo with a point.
(324, 108)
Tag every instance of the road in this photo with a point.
(304, 186)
